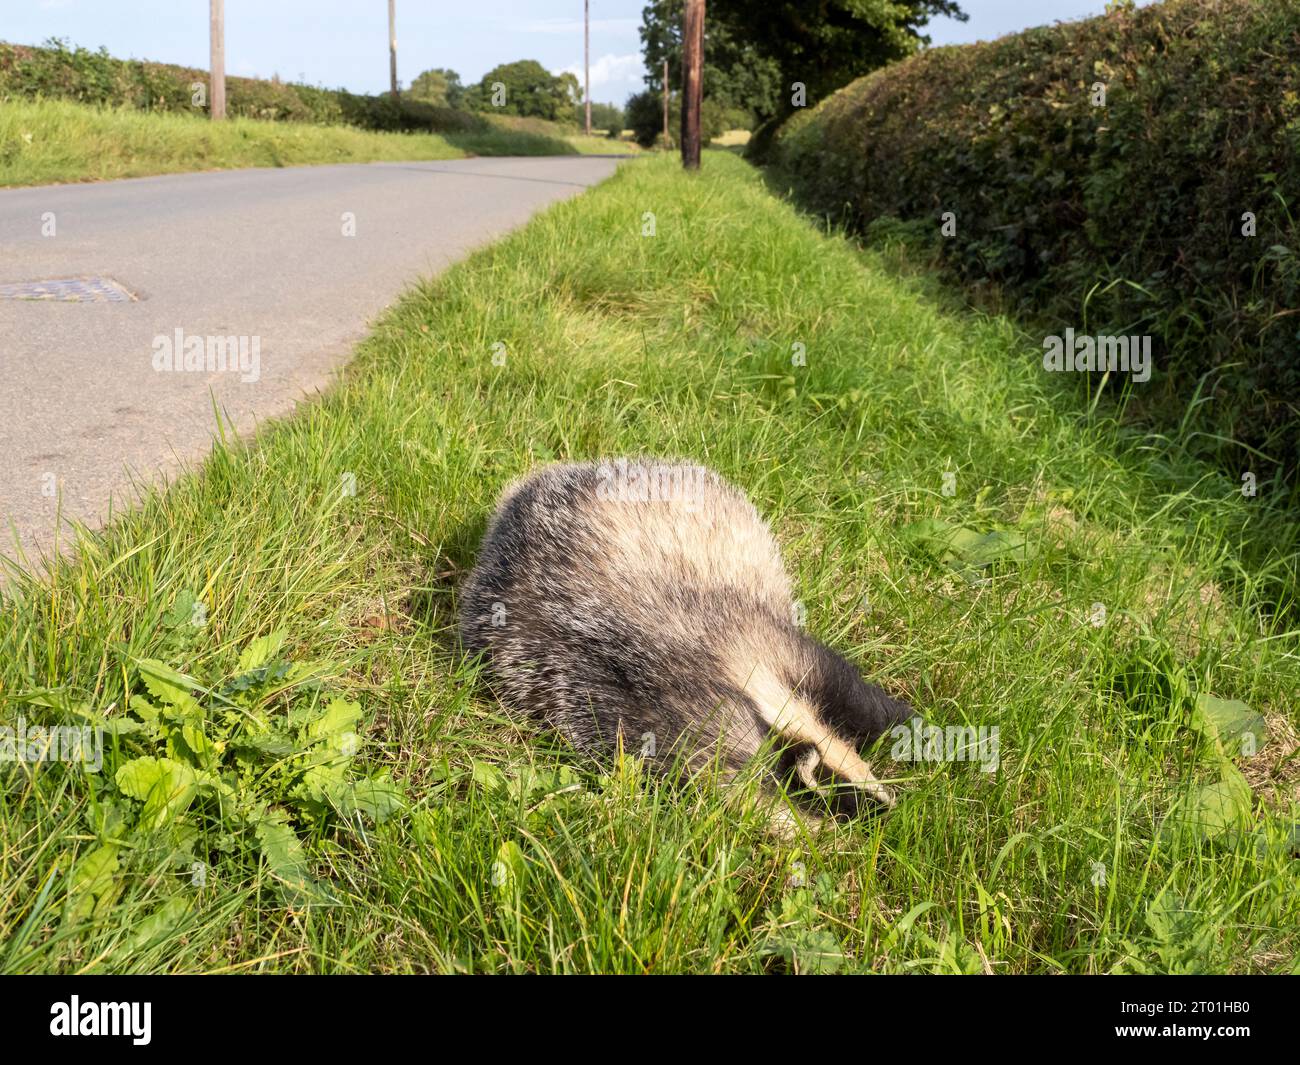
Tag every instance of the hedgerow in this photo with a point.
(1134, 173)
(95, 77)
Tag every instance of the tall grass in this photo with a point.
(515, 854)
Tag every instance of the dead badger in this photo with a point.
(645, 603)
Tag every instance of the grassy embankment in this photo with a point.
(49, 141)
(346, 528)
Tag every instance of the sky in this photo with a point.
(344, 43)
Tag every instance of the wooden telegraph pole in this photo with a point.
(392, 46)
(692, 82)
(667, 141)
(586, 58)
(217, 40)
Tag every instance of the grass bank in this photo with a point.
(300, 773)
(49, 141)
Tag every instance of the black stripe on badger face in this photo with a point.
(855, 709)
(857, 712)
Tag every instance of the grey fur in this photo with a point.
(649, 599)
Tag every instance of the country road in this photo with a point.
(293, 262)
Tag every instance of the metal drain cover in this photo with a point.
(68, 290)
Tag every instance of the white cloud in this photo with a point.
(609, 69)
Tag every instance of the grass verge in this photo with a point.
(49, 141)
(950, 521)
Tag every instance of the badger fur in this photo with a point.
(644, 604)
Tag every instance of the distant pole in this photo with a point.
(666, 140)
(586, 58)
(217, 39)
(392, 45)
(692, 81)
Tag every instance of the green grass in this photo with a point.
(515, 854)
(48, 141)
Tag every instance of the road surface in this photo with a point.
(295, 262)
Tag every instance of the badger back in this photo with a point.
(621, 594)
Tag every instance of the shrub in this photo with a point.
(1121, 218)
(644, 115)
(58, 70)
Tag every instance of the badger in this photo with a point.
(642, 605)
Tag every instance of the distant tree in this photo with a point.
(603, 116)
(438, 86)
(645, 117)
(530, 90)
(753, 62)
(571, 87)
(736, 75)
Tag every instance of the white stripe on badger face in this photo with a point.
(792, 717)
(806, 767)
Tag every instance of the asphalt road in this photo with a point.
(257, 254)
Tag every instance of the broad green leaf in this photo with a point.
(1000, 545)
(276, 744)
(377, 797)
(166, 787)
(486, 775)
(261, 650)
(160, 924)
(120, 726)
(340, 717)
(333, 746)
(183, 610)
(1232, 725)
(165, 684)
(144, 710)
(962, 548)
(286, 859)
(203, 749)
(509, 867)
(1216, 812)
(93, 885)
(806, 948)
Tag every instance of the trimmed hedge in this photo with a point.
(1123, 218)
(57, 71)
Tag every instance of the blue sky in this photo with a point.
(345, 42)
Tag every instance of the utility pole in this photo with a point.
(217, 40)
(667, 140)
(392, 45)
(692, 81)
(586, 58)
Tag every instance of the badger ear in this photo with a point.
(857, 710)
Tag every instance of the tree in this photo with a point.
(753, 60)
(736, 76)
(644, 116)
(571, 87)
(438, 86)
(529, 89)
(603, 116)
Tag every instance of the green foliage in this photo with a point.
(440, 87)
(751, 63)
(964, 550)
(737, 77)
(1125, 218)
(645, 117)
(603, 116)
(524, 88)
(195, 776)
(60, 71)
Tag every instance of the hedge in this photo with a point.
(1116, 218)
(95, 77)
